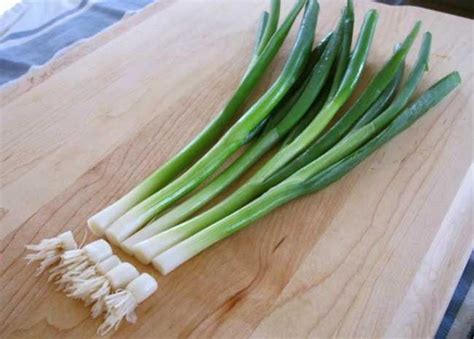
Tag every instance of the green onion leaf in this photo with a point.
(188, 155)
(235, 137)
(290, 189)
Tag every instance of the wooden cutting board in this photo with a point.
(376, 254)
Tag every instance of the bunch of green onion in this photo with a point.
(300, 119)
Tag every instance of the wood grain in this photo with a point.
(376, 254)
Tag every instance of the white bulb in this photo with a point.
(108, 264)
(122, 274)
(142, 287)
(98, 251)
(68, 241)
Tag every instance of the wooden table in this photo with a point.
(376, 254)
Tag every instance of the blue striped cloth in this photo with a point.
(458, 321)
(77, 20)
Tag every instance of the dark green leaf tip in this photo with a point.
(350, 6)
(456, 76)
(372, 13)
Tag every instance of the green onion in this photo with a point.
(284, 106)
(314, 57)
(341, 65)
(283, 121)
(299, 184)
(382, 101)
(343, 57)
(269, 26)
(188, 155)
(351, 77)
(257, 184)
(375, 88)
(235, 137)
(153, 245)
(329, 139)
(309, 116)
(428, 100)
(145, 252)
(358, 137)
(261, 29)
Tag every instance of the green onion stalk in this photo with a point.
(307, 180)
(147, 249)
(341, 66)
(350, 117)
(258, 183)
(344, 55)
(268, 44)
(345, 28)
(376, 108)
(268, 27)
(383, 101)
(280, 124)
(232, 140)
(358, 115)
(284, 106)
